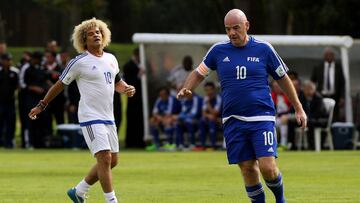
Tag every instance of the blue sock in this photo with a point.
(169, 133)
(276, 186)
(190, 128)
(155, 133)
(202, 133)
(212, 132)
(179, 135)
(256, 193)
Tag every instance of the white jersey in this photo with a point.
(95, 77)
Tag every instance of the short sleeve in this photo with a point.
(275, 65)
(70, 73)
(208, 63)
(210, 58)
(114, 63)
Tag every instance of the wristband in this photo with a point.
(42, 105)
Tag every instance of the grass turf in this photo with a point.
(45, 175)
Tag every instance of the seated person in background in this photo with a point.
(211, 110)
(163, 117)
(188, 119)
(282, 106)
(314, 108)
(291, 121)
(179, 73)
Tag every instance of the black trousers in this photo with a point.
(7, 124)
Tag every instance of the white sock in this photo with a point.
(82, 188)
(110, 197)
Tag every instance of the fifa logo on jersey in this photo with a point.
(253, 59)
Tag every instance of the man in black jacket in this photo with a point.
(8, 86)
(37, 82)
(329, 79)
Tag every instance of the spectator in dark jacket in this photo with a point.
(8, 86)
(37, 83)
(329, 79)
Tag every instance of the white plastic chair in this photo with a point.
(329, 106)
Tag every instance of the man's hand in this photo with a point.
(41, 106)
(301, 118)
(129, 90)
(183, 93)
(34, 111)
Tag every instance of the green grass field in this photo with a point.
(45, 175)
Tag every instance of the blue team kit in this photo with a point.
(248, 110)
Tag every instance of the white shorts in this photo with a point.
(101, 137)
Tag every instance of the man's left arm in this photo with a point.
(287, 86)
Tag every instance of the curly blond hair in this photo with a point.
(79, 34)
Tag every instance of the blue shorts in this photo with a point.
(249, 140)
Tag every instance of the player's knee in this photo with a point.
(114, 161)
(269, 171)
(104, 158)
(249, 170)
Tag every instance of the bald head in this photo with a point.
(235, 16)
(236, 27)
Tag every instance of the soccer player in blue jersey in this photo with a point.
(188, 119)
(211, 110)
(164, 114)
(243, 64)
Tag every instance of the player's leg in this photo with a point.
(103, 159)
(202, 132)
(154, 123)
(265, 145)
(114, 149)
(240, 151)
(179, 134)
(272, 177)
(92, 177)
(169, 129)
(212, 133)
(190, 127)
(251, 175)
(103, 143)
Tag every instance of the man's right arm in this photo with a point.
(191, 82)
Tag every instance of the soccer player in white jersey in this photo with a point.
(97, 76)
(243, 64)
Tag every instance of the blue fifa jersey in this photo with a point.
(192, 107)
(243, 75)
(167, 107)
